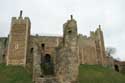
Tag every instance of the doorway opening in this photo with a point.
(116, 68)
(47, 66)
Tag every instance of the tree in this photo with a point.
(110, 51)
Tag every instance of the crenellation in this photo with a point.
(22, 20)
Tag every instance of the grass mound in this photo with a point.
(87, 74)
(99, 74)
(14, 74)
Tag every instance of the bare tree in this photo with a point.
(110, 51)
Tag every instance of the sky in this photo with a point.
(48, 16)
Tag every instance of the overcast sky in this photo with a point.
(48, 16)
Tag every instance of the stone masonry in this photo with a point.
(3, 49)
(18, 41)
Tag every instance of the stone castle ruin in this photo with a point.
(52, 59)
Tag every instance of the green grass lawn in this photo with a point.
(14, 74)
(99, 74)
(87, 74)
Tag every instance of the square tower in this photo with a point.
(18, 40)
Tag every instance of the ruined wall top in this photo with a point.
(70, 23)
(20, 19)
(85, 40)
(95, 34)
(48, 41)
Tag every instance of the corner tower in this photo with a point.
(18, 40)
(100, 45)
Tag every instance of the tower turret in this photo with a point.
(100, 45)
(68, 54)
(70, 32)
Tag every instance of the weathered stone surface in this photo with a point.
(92, 49)
(3, 45)
(67, 60)
(18, 41)
(67, 65)
(37, 72)
(119, 66)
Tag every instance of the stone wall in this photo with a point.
(119, 66)
(109, 61)
(3, 48)
(92, 49)
(67, 65)
(42, 46)
(50, 43)
(87, 50)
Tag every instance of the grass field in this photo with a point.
(14, 74)
(99, 74)
(87, 74)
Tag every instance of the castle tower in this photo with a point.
(100, 45)
(18, 40)
(67, 61)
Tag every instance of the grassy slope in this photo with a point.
(14, 74)
(98, 74)
(88, 74)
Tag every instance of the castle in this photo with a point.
(52, 58)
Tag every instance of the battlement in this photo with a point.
(70, 23)
(20, 20)
(97, 33)
(94, 35)
(83, 37)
